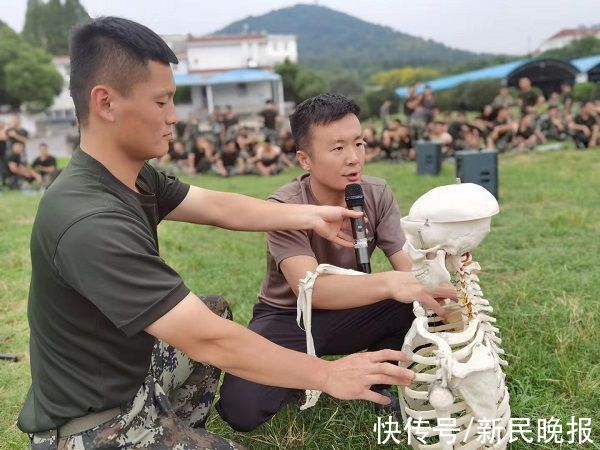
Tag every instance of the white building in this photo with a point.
(219, 53)
(565, 37)
(63, 109)
(234, 70)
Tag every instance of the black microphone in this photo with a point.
(355, 200)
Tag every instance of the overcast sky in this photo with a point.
(494, 26)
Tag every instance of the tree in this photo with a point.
(47, 25)
(588, 46)
(347, 84)
(308, 84)
(27, 74)
(300, 84)
(404, 76)
(289, 73)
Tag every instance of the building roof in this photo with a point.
(502, 71)
(228, 77)
(495, 72)
(575, 32)
(586, 64)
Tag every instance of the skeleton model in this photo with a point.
(459, 379)
(459, 399)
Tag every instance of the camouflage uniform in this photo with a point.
(168, 411)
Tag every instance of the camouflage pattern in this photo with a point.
(168, 411)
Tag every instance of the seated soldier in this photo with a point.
(177, 161)
(438, 132)
(502, 132)
(527, 134)
(552, 125)
(288, 149)
(584, 127)
(268, 158)
(350, 313)
(372, 150)
(229, 162)
(202, 154)
(485, 121)
(18, 171)
(45, 165)
(406, 147)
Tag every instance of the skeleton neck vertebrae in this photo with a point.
(459, 399)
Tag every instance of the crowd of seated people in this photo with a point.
(226, 146)
(264, 145)
(510, 123)
(15, 171)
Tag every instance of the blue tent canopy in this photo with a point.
(546, 73)
(584, 65)
(495, 72)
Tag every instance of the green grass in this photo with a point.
(541, 271)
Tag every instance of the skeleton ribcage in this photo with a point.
(459, 399)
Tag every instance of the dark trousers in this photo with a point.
(245, 405)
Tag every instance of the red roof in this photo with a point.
(576, 32)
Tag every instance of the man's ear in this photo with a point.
(304, 160)
(101, 102)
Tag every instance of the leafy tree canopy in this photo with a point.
(47, 25)
(27, 74)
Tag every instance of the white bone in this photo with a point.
(458, 364)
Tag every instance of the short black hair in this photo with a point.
(114, 51)
(322, 109)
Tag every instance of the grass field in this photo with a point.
(541, 271)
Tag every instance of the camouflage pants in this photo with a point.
(168, 411)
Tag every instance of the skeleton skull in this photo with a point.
(457, 361)
(442, 225)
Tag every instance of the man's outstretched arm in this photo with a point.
(240, 212)
(205, 337)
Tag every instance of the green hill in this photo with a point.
(329, 39)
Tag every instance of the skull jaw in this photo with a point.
(435, 248)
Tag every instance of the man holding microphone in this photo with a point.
(350, 313)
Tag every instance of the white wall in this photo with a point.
(250, 99)
(206, 56)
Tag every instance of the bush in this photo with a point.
(373, 98)
(586, 91)
(471, 96)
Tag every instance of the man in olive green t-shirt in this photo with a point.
(123, 355)
(350, 313)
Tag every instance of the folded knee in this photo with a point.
(217, 304)
(240, 418)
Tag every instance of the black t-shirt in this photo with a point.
(2, 150)
(176, 156)
(14, 158)
(20, 131)
(529, 99)
(589, 122)
(455, 129)
(405, 143)
(566, 97)
(525, 133)
(50, 161)
(269, 115)
(97, 282)
(230, 158)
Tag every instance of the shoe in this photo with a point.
(392, 408)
